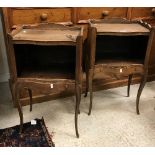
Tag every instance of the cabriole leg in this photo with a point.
(87, 78)
(142, 84)
(17, 99)
(78, 97)
(90, 90)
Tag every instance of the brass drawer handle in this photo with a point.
(43, 16)
(105, 13)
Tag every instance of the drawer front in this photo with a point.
(142, 13)
(38, 15)
(118, 71)
(46, 88)
(101, 12)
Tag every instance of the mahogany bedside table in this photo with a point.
(118, 48)
(48, 57)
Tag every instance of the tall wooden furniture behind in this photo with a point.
(118, 47)
(47, 57)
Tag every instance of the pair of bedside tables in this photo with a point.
(52, 57)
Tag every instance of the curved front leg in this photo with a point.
(90, 89)
(142, 84)
(17, 99)
(78, 98)
(87, 80)
(87, 75)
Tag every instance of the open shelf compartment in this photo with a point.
(36, 61)
(117, 49)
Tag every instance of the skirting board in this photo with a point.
(4, 77)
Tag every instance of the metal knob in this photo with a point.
(105, 13)
(43, 16)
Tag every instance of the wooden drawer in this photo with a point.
(40, 87)
(142, 13)
(37, 15)
(118, 71)
(98, 13)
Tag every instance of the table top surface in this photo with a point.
(120, 28)
(48, 34)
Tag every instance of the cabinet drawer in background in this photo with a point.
(38, 15)
(100, 12)
(143, 13)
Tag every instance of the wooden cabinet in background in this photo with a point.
(142, 13)
(12, 17)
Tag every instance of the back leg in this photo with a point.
(129, 83)
(30, 96)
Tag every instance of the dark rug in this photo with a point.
(32, 136)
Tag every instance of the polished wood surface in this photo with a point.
(122, 28)
(50, 33)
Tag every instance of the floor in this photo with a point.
(113, 121)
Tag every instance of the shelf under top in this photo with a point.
(120, 28)
(46, 35)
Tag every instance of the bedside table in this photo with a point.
(47, 57)
(118, 48)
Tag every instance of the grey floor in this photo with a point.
(113, 121)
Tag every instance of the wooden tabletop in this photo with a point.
(46, 35)
(120, 28)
